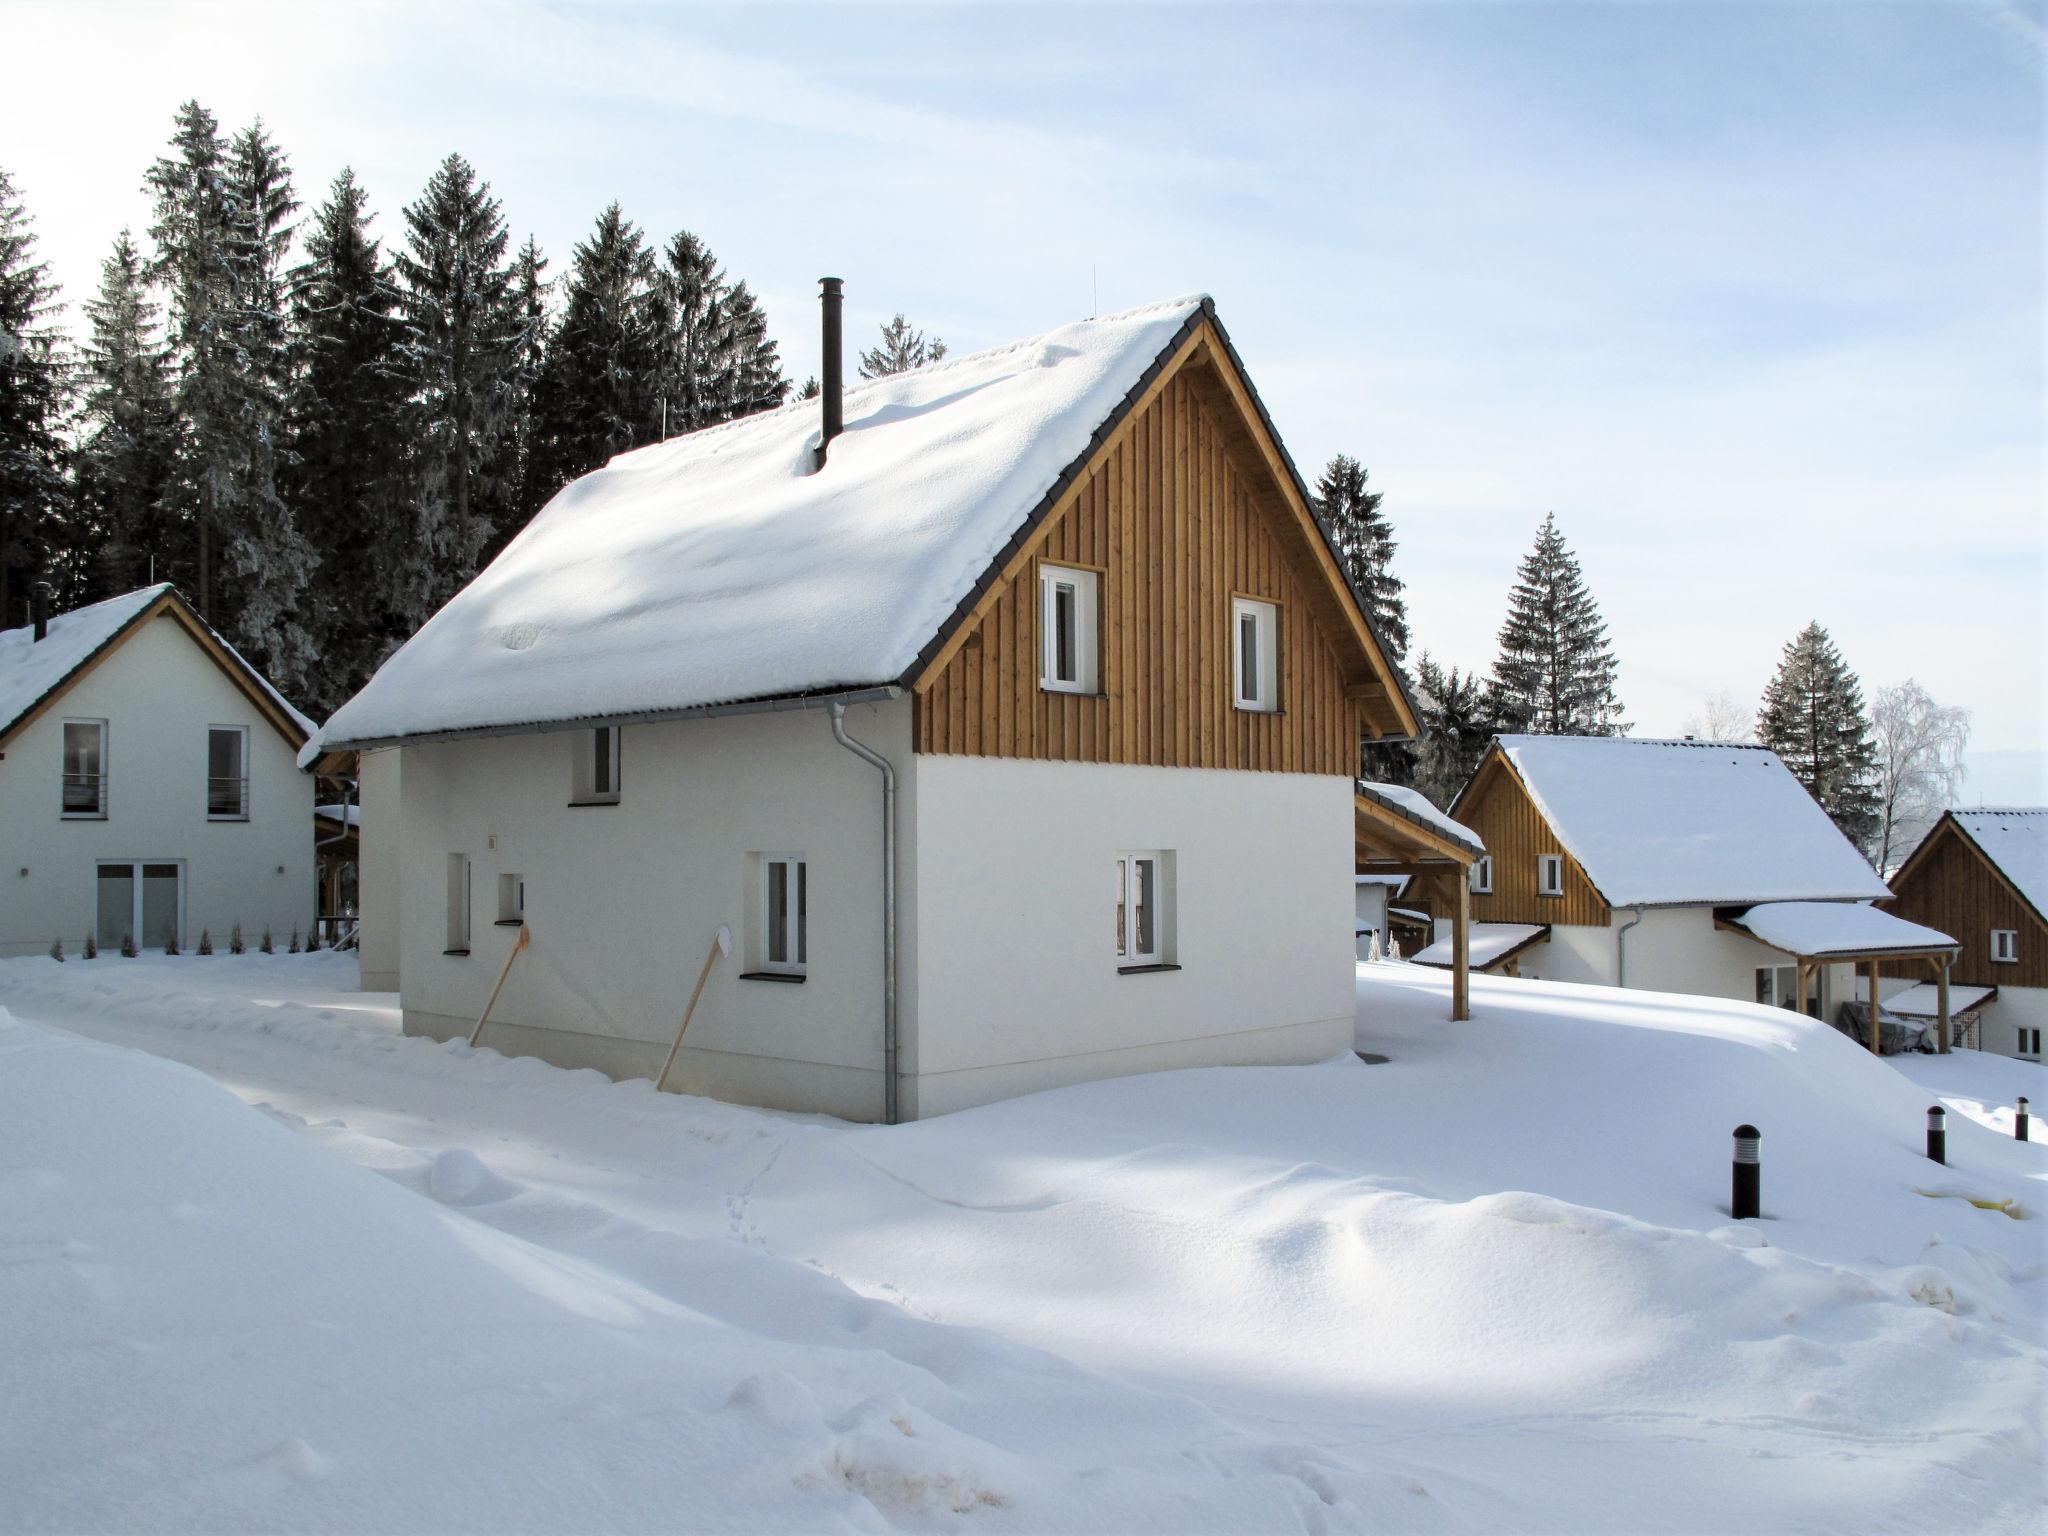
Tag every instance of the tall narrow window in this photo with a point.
(458, 904)
(1143, 880)
(1256, 653)
(1482, 875)
(785, 914)
(1549, 874)
(596, 780)
(85, 768)
(227, 773)
(1068, 624)
(2005, 946)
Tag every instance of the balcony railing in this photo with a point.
(227, 799)
(85, 794)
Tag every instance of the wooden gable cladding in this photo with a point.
(1497, 805)
(1177, 519)
(1949, 885)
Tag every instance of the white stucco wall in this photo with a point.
(378, 786)
(2013, 1009)
(622, 901)
(158, 694)
(1017, 984)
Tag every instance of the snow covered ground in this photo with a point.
(1489, 1285)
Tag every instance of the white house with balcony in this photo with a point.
(148, 784)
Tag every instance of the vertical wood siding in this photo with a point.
(1515, 833)
(1172, 521)
(1953, 888)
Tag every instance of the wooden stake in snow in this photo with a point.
(721, 944)
(517, 945)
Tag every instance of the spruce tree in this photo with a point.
(1813, 718)
(190, 229)
(463, 348)
(129, 436)
(903, 348)
(599, 390)
(1364, 542)
(1555, 673)
(530, 290)
(348, 415)
(751, 366)
(690, 288)
(34, 401)
(268, 559)
(1457, 725)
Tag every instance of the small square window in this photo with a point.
(2030, 1042)
(1144, 908)
(1068, 627)
(1255, 654)
(1777, 986)
(1482, 876)
(596, 780)
(2005, 946)
(1549, 874)
(511, 898)
(458, 904)
(85, 769)
(227, 773)
(784, 920)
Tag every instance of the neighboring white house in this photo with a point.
(1983, 876)
(1674, 866)
(148, 787)
(1058, 614)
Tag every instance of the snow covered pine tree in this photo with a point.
(1555, 672)
(34, 400)
(1812, 717)
(902, 348)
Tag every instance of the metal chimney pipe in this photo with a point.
(830, 387)
(40, 608)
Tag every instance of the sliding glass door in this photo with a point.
(143, 902)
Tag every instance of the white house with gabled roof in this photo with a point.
(1004, 711)
(148, 784)
(1677, 866)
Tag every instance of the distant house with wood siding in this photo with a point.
(1983, 876)
(1010, 729)
(1675, 866)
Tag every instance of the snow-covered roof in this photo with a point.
(717, 568)
(1411, 806)
(30, 669)
(2015, 838)
(1922, 1000)
(1488, 944)
(1387, 880)
(1679, 823)
(351, 814)
(1838, 929)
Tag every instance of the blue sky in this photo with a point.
(1750, 295)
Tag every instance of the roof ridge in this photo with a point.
(1638, 741)
(1998, 810)
(926, 370)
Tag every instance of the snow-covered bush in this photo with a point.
(128, 946)
(206, 941)
(235, 944)
(57, 950)
(91, 948)
(267, 944)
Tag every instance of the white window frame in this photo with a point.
(135, 868)
(587, 786)
(796, 916)
(460, 916)
(2027, 1047)
(1131, 953)
(242, 786)
(1482, 875)
(1783, 981)
(1264, 620)
(2005, 946)
(1084, 660)
(1549, 874)
(99, 813)
(511, 899)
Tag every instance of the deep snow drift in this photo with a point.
(1490, 1285)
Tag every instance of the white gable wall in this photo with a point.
(378, 783)
(159, 692)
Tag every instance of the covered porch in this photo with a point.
(1398, 832)
(1818, 933)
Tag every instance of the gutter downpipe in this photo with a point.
(1621, 943)
(875, 759)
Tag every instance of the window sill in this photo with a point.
(510, 922)
(455, 952)
(584, 805)
(1074, 693)
(85, 816)
(1257, 709)
(1144, 970)
(226, 820)
(784, 976)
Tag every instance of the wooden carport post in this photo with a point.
(1875, 1048)
(1461, 949)
(1941, 997)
